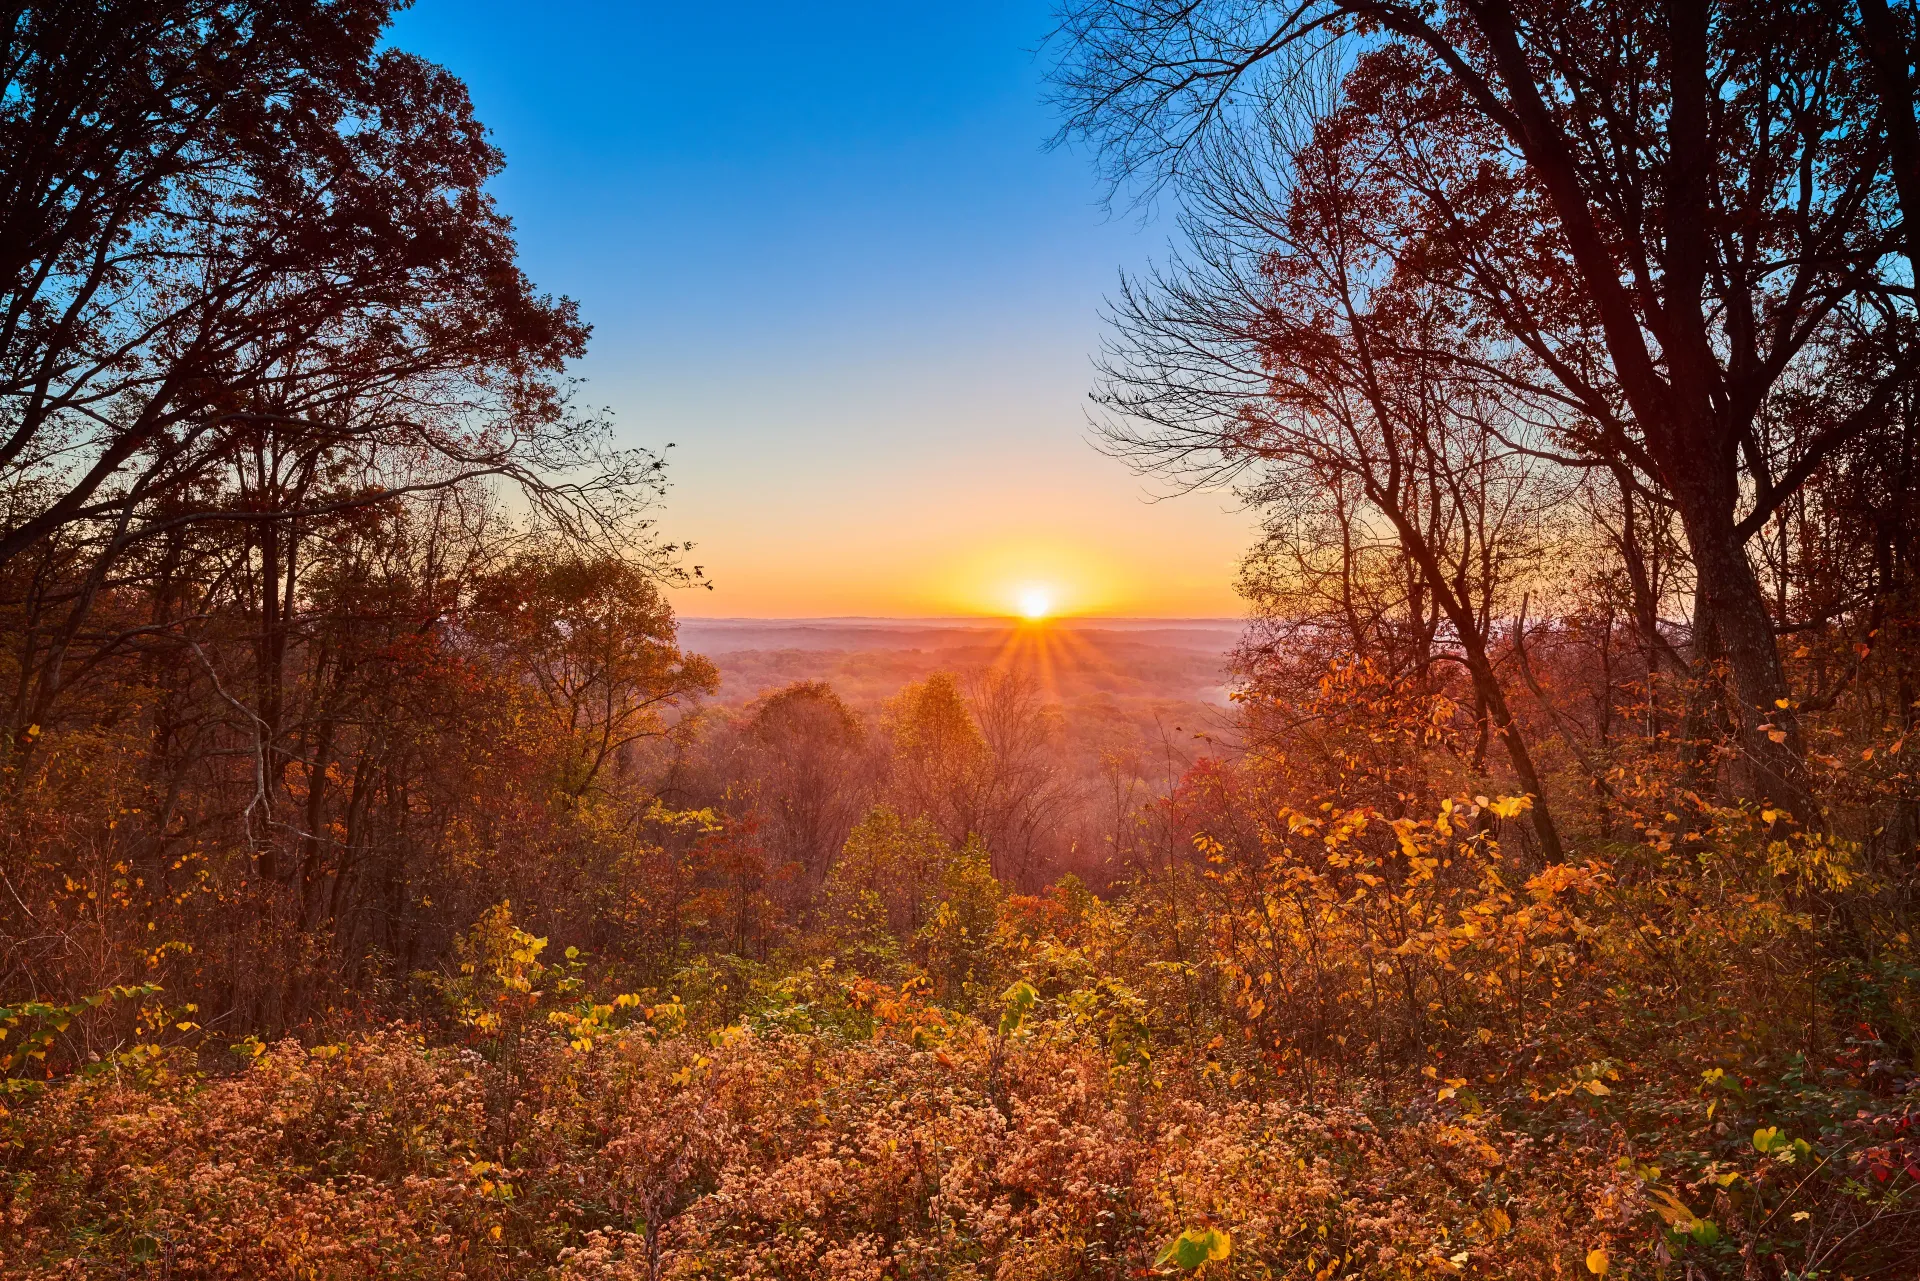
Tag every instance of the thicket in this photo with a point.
(384, 895)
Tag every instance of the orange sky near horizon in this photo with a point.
(942, 472)
(1079, 532)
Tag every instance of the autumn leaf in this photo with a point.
(1511, 806)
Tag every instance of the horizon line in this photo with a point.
(976, 619)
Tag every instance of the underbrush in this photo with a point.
(768, 1154)
(1376, 1049)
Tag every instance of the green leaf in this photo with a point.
(1020, 998)
(1194, 1247)
(1766, 1139)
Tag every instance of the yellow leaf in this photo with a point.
(1511, 806)
(1595, 1088)
(1673, 1210)
(1597, 1262)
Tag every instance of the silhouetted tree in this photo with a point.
(1671, 216)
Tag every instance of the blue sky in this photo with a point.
(826, 251)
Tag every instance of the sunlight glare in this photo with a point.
(1035, 603)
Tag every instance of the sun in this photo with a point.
(1035, 603)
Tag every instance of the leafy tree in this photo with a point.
(810, 774)
(1673, 217)
(597, 643)
(938, 754)
(234, 221)
(888, 875)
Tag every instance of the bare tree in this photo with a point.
(1020, 795)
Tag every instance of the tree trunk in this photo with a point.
(1890, 60)
(1692, 441)
(1729, 596)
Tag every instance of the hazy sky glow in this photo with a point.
(824, 251)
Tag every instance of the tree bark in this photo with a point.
(1891, 61)
(1691, 438)
(1730, 603)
